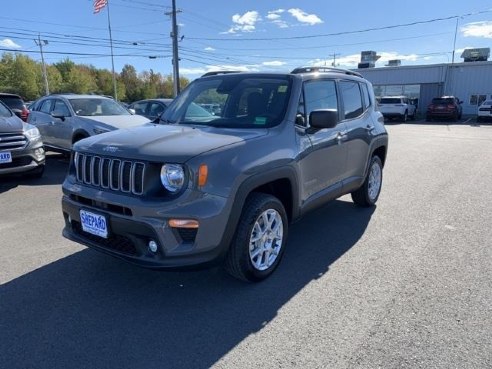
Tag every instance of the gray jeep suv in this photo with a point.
(201, 188)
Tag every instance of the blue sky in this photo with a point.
(246, 35)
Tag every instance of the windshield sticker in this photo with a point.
(260, 120)
(282, 89)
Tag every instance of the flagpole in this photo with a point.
(112, 55)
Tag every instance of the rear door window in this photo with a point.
(352, 99)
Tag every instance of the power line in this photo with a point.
(344, 32)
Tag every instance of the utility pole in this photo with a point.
(40, 43)
(454, 42)
(334, 64)
(115, 90)
(174, 35)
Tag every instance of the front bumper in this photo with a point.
(25, 160)
(132, 224)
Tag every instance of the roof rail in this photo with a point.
(325, 69)
(220, 72)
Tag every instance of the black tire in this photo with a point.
(404, 118)
(238, 261)
(364, 196)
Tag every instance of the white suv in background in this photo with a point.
(397, 107)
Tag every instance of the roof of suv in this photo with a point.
(296, 71)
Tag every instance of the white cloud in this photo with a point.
(245, 22)
(273, 63)
(304, 17)
(209, 48)
(218, 67)
(275, 14)
(477, 29)
(9, 44)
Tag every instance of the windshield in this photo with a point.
(97, 106)
(4, 112)
(241, 101)
(390, 100)
(442, 101)
(13, 102)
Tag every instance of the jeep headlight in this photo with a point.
(172, 177)
(32, 134)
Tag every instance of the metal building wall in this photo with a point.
(459, 79)
(466, 79)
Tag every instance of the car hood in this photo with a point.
(172, 143)
(11, 124)
(117, 121)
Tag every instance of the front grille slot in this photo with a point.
(115, 174)
(12, 141)
(114, 242)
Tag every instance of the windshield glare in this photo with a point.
(231, 101)
(97, 107)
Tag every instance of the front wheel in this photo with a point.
(260, 239)
(368, 193)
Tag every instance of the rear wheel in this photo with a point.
(260, 239)
(368, 193)
(405, 117)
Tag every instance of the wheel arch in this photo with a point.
(279, 182)
(78, 135)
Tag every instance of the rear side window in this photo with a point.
(352, 99)
(366, 97)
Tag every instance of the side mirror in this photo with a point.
(58, 115)
(132, 111)
(327, 118)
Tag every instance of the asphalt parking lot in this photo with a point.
(407, 284)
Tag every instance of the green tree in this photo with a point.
(79, 80)
(133, 85)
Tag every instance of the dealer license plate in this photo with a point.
(5, 157)
(94, 223)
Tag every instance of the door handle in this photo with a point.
(52, 123)
(341, 136)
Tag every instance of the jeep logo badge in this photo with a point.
(110, 149)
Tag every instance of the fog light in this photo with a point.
(153, 246)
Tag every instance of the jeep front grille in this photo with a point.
(110, 173)
(12, 141)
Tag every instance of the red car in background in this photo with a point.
(16, 104)
(448, 107)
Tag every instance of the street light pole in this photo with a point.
(40, 43)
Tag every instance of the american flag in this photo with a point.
(99, 4)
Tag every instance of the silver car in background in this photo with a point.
(21, 148)
(65, 119)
